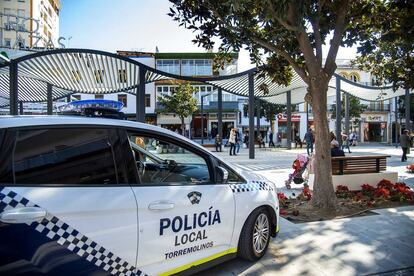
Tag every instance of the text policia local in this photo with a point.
(188, 222)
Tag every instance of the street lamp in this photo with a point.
(202, 115)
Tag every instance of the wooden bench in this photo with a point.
(359, 164)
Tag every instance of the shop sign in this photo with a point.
(283, 118)
(374, 118)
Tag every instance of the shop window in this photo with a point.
(123, 99)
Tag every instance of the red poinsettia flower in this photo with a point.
(281, 196)
(382, 192)
(385, 184)
(342, 188)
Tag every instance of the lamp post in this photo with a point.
(202, 116)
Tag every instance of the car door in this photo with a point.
(66, 207)
(184, 216)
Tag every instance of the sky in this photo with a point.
(135, 25)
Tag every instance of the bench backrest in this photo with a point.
(359, 164)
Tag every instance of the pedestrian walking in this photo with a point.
(345, 142)
(232, 141)
(298, 141)
(246, 139)
(309, 139)
(238, 140)
(217, 143)
(405, 145)
(271, 143)
(260, 141)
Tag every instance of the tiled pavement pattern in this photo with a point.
(379, 244)
(372, 245)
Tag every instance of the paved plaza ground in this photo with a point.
(380, 244)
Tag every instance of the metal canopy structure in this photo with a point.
(55, 74)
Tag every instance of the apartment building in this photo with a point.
(197, 65)
(29, 23)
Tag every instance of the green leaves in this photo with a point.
(181, 102)
(388, 47)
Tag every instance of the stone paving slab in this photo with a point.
(354, 246)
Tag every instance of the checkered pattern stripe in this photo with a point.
(250, 187)
(65, 235)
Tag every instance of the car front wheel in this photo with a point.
(255, 235)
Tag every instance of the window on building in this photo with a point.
(76, 75)
(67, 156)
(7, 11)
(99, 76)
(196, 67)
(21, 13)
(22, 1)
(7, 42)
(123, 99)
(122, 76)
(99, 97)
(147, 100)
(169, 65)
(354, 77)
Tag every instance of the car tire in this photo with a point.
(255, 235)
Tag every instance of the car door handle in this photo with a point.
(23, 215)
(161, 205)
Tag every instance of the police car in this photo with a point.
(89, 196)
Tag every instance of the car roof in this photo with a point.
(53, 120)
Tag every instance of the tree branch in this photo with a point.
(280, 20)
(271, 47)
(300, 71)
(340, 25)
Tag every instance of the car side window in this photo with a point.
(66, 156)
(161, 162)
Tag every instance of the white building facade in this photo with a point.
(29, 24)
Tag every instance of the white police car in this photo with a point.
(97, 196)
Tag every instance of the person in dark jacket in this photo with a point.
(335, 150)
(405, 145)
(271, 143)
(246, 139)
(217, 143)
(309, 139)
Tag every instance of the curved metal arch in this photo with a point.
(129, 60)
(361, 85)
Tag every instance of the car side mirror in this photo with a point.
(223, 175)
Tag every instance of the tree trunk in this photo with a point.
(182, 127)
(323, 192)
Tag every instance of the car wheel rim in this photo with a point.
(260, 233)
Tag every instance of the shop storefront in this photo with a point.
(282, 126)
(374, 128)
